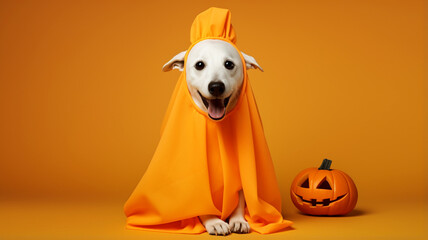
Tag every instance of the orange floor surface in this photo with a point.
(100, 220)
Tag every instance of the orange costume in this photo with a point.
(201, 164)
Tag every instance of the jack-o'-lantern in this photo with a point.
(324, 191)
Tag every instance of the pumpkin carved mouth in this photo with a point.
(324, 202)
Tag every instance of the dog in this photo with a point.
(214, 76)
(212, 160)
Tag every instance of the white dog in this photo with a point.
(214, 75)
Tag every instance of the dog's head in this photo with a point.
(214, 75)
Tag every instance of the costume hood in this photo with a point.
(201, 164)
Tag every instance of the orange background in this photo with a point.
(82, 97)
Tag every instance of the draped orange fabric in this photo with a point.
(200, 164)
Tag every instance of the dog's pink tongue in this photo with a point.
(216, 108)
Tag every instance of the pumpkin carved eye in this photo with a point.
(305, 184)
(324, 184)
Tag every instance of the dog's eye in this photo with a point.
(229, 65)
(199, 65)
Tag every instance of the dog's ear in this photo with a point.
(177, 62)
(250, 62)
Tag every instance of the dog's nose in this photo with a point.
(216, 88)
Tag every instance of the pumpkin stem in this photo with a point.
(325, 165)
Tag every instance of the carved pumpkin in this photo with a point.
(324, 191)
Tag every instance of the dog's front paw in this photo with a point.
(216, 226)
(239, 225)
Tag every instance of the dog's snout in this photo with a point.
(216, 88)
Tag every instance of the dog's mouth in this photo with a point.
(216, 107)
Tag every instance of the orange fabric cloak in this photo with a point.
(200, 164)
